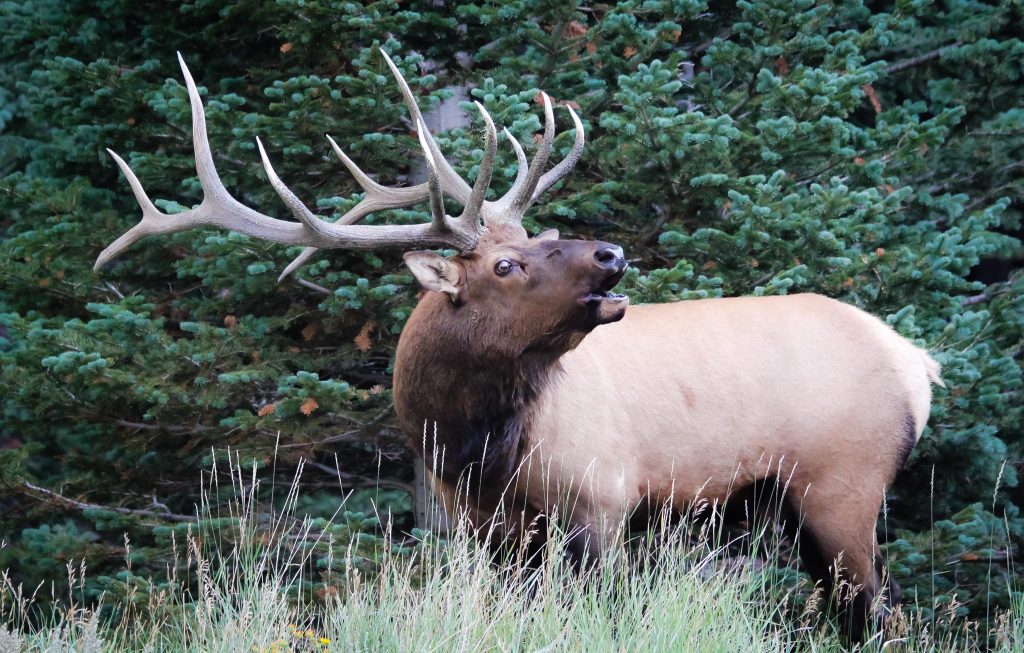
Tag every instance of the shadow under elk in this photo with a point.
(526, 376)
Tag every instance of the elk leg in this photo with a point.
(838, 545)
(583, 547)
(893, 593)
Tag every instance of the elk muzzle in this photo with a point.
(602, 304)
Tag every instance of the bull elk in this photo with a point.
(502, 366)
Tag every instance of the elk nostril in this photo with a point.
(608, 256)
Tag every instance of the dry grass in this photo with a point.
(450, 597)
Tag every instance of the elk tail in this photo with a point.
(933, 369)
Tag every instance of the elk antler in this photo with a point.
(511, 207)
(219, 209)
(530, 185)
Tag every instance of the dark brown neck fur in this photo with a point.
(465, 397)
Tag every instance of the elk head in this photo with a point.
(555, 290)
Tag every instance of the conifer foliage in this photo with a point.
(867, 151)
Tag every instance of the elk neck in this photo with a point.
(463, 393)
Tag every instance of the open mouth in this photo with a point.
(603, 292)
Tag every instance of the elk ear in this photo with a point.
(435, 272)
(547, 234)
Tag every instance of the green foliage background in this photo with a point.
(870, 151)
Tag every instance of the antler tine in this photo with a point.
(297, 262)
(208, 177)
(523, 194)
(376, 198)
(219, 209)
(522, 163)
(139, 231)
(151, 216)
(451, 183)
(551, 177)
(528, 187)
(436, 198)
(294, 204)
(483, 177)
(380, 197)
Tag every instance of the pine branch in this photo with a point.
(169, 428)
(56, 499)
(920, 59)
(357, 481)
(655, 230)
(985, 296)
(700, 48)
(751, 87)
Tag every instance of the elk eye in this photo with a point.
(503, 267)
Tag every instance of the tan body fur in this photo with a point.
(698, 399)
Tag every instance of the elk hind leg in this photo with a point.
(840, 551)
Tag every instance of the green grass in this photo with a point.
(240, 596)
